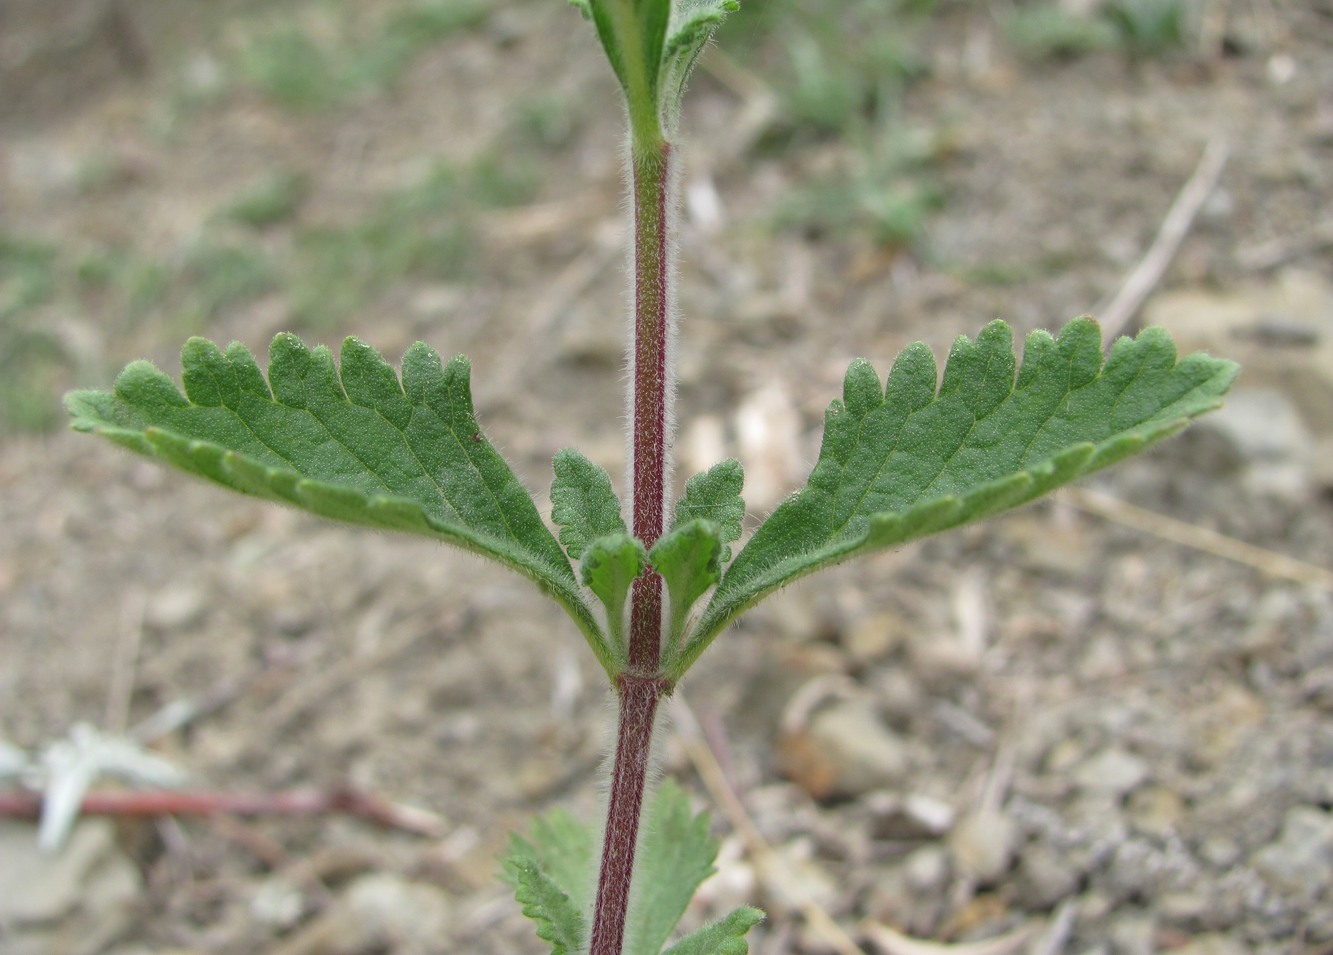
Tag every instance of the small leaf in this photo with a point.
(610, 565)
(692, 25)
(715, 495)
(553, 877)
(351, 443)
(557, 919)
(723, 937)
(689, 560)
(582, 502)
(909, 460)
(675, 856)
(563, 848)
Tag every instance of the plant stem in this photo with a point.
(641, 686)
(638, 712)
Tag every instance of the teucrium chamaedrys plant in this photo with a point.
(901, 458)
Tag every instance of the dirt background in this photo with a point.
(1052, 721)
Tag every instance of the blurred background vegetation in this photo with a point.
(281, 237)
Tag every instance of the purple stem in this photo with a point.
(642, 685)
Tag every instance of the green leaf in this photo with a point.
(652, 46)
(564, 850)
(553, 876)
(692, 24)
(582, 502)
(715, 495)
(689, 560)
(610, 565)
(723, 937)
(675, 855)
(558, 920)
(906, 460)
(353, 444)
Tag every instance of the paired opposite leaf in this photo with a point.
(715, 495)
(660, 40)
(349, 443)
(692, 25)
(552, 875)
(723, 937)
(904, 460)
(689, 560)
(610, 566)
(582, 502)
(675, 856)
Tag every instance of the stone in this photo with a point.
(1260, 433)
(768, 432)
(1045, 876)
(874, 638)
(1280, 329)
(1300, 860)
(983, 844)
(175, 608)
(379, 911)
(76, 901)
(846, 751)
(1155, 811)
(1133, 935)
(1211, 944)
(912, 817)
(1113, 771)
(927, 869)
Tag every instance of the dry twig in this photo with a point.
(1211, 542)
(150, 804)
(1116, 314)
(767, 865)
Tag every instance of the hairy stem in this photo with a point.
(641, 686)
(651, 376)
(638, 712)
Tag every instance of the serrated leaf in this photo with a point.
(557, 920)
(675, 855)
(715, 495)
(583, 503)
(350, 443)
(723, 937)
(660, 40)
(908, 459)
(689, 560)
(563, 848)
(692, 25)
(553, 875)
(610, 565)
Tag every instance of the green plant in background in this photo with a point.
(1049, 32)
(651, 583)
(271, 202)
(842, 82)
(299, 72)
(1141, 29)
(1148, 27)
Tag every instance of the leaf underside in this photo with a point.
(610, 565)
(348, 442)
(906, 459)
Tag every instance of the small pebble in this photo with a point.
(983, 844)
(1112, 771)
